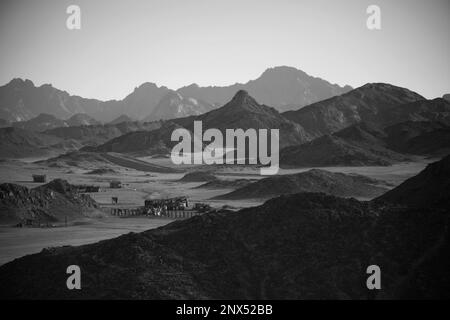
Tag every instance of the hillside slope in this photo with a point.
(315, 180)
(52, 202)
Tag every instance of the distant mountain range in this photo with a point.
(46, 121)
(20, 143)
(281, 87)
(376, 124)
(299, 246)
(173, 105)
(241, 112)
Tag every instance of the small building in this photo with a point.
(39, 178)
(115, 184)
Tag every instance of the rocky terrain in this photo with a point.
(150, 142)
(353, 146)
(52, 202)
(198, 176)
(284, 88)
(429, 188)
(41, 123)
(364, 144)
(244, 112)
(19, 143)
(120, 119)
(299, 246)
(315, 180)
(281, 87)
(368, 103)
(94, 160)
(173, 105)
(94, 135)
(226, 184)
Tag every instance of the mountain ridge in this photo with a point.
(21, 100)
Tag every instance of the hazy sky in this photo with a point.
(122, 44)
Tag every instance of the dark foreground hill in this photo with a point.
(52, 202)
(315, 180)
(301, 246)
(428, 188)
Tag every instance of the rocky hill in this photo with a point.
(315, 180)
(19, 143)
(428, 138)
(437, 110)
(430, 187)
(81, 119)
(98, 134)
(120, 119)
(198, 176)
(300, 246)
(363, 144)
(173, 105)
(156, 141)
(41, 123)
(368, 103)
(52, 202)
(244, 112)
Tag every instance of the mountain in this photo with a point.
(21, 100)
(19, 143)
(422, 110)
(300, 246)
(281, 87)
(45, 122)
(315, 180)
(52, 202)
(122, 118)
(142, 142)
(430, 138)
(284, 88)
(358, 145)
(98, 134)
(244, 112)
(81, 119)
(141, 102)
(41, 123)
(241, 112)
(370, 103)
(173, 105)
(430, 187)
